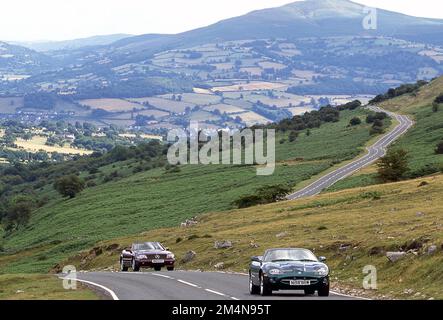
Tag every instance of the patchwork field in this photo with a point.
(200, 99)
(111, 105)
(165, 104)
(251, 118)
(224, 108)
(37, 143)
(250, 86)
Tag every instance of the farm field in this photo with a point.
(250, 86)
(165, 104)
(251, 118)
(299, 110)
(200, 99)
(37, 143)
(111, 105)
(224, 108)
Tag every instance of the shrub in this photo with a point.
(435, 107)
(263, 195)
(355, 121)
(69, 186)
(393, 166)
(439, 148)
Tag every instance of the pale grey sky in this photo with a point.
(31, 20)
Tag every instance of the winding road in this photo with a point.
(188, 285)
(375, 152)
(184, 285)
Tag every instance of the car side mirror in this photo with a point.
(322, 259)
(257, 259)
(167, 248)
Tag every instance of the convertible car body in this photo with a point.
(288, 269)
(147, 255)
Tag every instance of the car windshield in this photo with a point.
(148, 246)
(289, 255)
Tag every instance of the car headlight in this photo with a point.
(275, 271)
(322, 271)
(170, 256)
(142, 256)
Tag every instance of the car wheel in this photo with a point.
(123, 268)
(157, 268)
(264, 287)
(170, 268)
(253, 289)
(135, 266)
(323, 291)
(309, 292)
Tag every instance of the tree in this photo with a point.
(69, 186)
(355, 121)
(263, 195)
(393, 166)
(439, 148)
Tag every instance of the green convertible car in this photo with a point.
(288, 269)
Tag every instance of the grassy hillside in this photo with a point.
(420, 141)
(352, 228)
(155, 198)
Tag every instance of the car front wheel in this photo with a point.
(253, 289)
(264, 287)
(123, 268)
(170, 268)
(157, 268)
(323, 291)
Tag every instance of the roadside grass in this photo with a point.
(133, 203)
(40, 287)
(352, 228)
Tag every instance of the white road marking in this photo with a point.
(188, 283)
(215, 292)
(109, 291)
(162, 275)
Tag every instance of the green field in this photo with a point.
(153, 199)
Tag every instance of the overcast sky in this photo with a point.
(31, 20)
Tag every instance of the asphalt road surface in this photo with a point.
(185, 285)
(375, 152)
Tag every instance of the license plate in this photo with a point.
(158, 261)
(299, 282)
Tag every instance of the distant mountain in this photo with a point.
(310, 18)
(20, 60)
(44, 46)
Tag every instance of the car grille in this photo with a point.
(156, 256)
